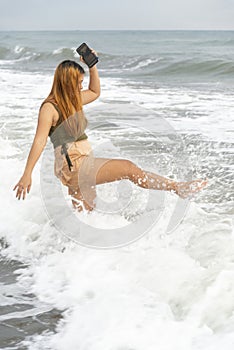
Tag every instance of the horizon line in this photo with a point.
(109, 30)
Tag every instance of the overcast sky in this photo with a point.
(116, 14)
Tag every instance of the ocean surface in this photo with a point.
(167, 284)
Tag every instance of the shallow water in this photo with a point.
(167, 104)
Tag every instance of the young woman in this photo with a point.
(61, 118)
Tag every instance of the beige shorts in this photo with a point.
(80, 152)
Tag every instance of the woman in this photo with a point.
(61, 118)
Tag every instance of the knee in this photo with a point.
(131, 170)
(128, 167)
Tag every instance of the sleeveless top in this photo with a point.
(61, 136)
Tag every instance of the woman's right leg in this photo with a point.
(97, 171)
(106, 170)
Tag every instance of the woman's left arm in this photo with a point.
(45, 121)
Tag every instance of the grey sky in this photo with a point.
(116, 14)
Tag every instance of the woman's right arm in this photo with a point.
(94, 89)
(45, 121)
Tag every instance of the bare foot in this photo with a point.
(188, 189)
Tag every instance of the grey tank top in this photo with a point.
(61, 135)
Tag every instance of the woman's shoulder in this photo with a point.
(49, 108)
(49, 105)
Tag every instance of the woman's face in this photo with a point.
(80, 82)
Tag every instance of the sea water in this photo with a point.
(167, 105)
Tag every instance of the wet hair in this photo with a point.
(66, 92)
(73, 64)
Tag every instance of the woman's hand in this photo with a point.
(23, 185)
(93, 51)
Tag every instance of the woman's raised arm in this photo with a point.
(94, 89)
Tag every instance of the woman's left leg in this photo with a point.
(83, 199)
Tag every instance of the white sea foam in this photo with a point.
(144, 63)
(172, 284)
(18, 49)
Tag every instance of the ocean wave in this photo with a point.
(144, 63)
(29, 53)
(166, 65)
(4, 51)
(195, 67)
(140, 65)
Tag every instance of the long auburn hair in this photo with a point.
(66, 94)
